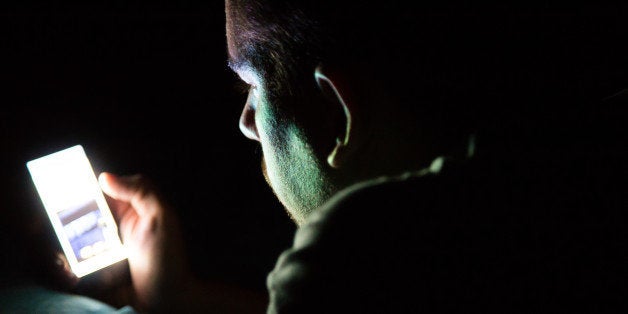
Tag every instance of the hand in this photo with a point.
(152, 235)
(157, 258)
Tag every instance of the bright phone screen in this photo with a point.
(78, 211)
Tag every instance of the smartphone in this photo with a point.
(78, 211)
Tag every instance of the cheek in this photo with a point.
(278, 141)
(321, 122)
(272, 142)
(275, 166)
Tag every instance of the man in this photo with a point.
(425, 154)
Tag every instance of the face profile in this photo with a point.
(291, 165)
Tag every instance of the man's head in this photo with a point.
(343, 91)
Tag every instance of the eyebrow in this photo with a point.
(233, 64)
(236, 65)
(244, 70)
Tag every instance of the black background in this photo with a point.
(145, 89)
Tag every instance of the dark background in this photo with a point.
(145, 89)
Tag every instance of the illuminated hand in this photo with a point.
(152, 235)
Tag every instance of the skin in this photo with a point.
(158, 263)
(150, 230)
(329, 145)
(337, 137)
(307, 160)
(162, 280)
(292, 167)
(298, 174)
(294, 161)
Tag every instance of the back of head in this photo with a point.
(449, 65)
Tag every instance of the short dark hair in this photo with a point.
(458, 59)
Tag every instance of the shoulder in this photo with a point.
(369, 208)
(446, 241)
(359, 251)
(411, 197)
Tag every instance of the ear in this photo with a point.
(332, 83)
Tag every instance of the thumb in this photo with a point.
(135, 190)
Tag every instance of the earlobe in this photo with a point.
(334, 159)
(331, 87)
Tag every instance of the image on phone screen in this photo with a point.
(77, 209)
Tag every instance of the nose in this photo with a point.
(247, 122)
